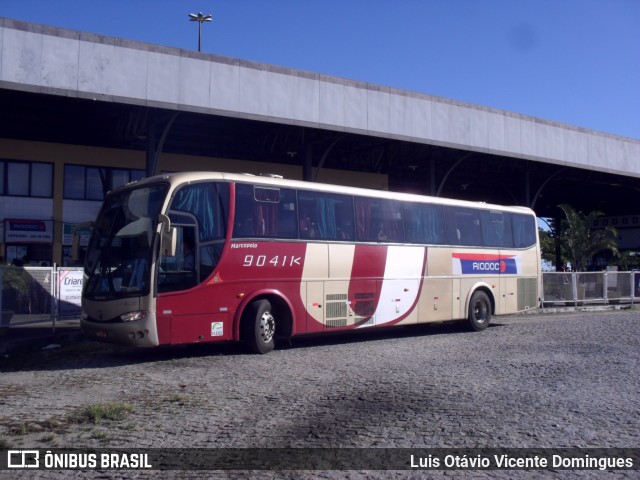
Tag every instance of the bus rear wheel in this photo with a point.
(260, 327)
(479, 311)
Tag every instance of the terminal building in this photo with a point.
(81, 114)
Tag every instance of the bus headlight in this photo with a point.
(133, 316)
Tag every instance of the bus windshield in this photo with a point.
(119, 254)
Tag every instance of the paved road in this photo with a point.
(530, 381)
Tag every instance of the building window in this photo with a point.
(42, 180)
(18, 174)
(73, 182)
(91, 183)
(119, 178)
(95, 182)
(26, 179)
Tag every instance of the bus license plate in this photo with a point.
(101, 333)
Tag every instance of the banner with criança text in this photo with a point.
(415, 459)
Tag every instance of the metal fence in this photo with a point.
(589, 288)
(46, 294)
(32, 295)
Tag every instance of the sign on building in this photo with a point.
(18, 230)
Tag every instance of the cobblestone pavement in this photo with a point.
(529, 381)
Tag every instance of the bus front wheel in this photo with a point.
(260, 327)
(479, 311)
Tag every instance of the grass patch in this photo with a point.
(4, 443)
(89, 415)
(99, 412)
(99, 434)
(49, 437)
(177, 398)
(25, 428)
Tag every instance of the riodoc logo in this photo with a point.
(482, 263)
(23, 459)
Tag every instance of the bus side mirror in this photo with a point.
(75, 242)
(169, 237)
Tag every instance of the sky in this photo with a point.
(570, 61)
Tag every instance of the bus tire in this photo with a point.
(260, 327)
(479, 311)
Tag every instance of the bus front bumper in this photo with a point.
(140, 333)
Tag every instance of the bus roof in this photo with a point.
(179, 178)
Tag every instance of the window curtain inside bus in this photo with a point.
(379, 220)
(391, 222)
(266, 219)
(326, 218)
(433, 224)
(363, 219)
(424, 223)
(203, 202)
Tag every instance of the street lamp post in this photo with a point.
(200, 18)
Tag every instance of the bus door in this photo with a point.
(194, 317)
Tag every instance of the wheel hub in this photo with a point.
(267, 326)
(480, 313)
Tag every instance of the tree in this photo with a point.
(580, 242)
(550, 243)
(627, 260)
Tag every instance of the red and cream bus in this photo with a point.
(208, 257)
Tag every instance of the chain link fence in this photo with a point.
(32, 295)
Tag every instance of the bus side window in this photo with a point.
(496, 229)
(379, 220)
(424, 223)
(326, 216)
(265, 212)
(463, 226)
(524, 230)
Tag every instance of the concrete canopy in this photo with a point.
(70, 87)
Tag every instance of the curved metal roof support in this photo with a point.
(453, 167)
(432, 179)
(153, 150)
(544, 184)
(527, 185)
(512, 195)
(325, 155)
(307, 167)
